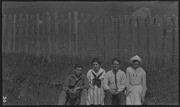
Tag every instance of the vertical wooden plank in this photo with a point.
(20, 45)
(100, 37)
(131, 34)
(168, 40)
(107, 34)
(136, 38)
(38, 35)
(44, 33)
(112, 37)
(6, 35)
(155, 39)
(143, 38)
(27, 33)
(10, 34)
(62, 43)
(115, 25)
(6, 46)
(138, 34)
(148, 35)
(127, 37)
(104, 40)
(96, 30)
(14, 33)
(118, 36)
(164, 34)
(70, 33)
(120, 33)
(152, 41)
(86, 32)
(49, 36)
(173, 39)
(159, 38)
(76, 30)
(82, 35)
(3, 31)
(56, 23)
(52, 30)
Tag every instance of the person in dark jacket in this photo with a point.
(74, 88)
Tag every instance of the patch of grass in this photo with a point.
(37, 80)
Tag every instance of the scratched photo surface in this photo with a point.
(41, 42)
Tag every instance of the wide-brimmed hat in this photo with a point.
(135, 58)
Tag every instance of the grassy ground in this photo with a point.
(36, 80)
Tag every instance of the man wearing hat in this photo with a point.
(136, 82)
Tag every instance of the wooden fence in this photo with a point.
(155, 38)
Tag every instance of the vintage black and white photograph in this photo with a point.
(90, 53)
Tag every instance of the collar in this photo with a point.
(100, 70)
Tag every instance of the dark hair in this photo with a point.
(78, 66)
(115, 59)
(96, 60)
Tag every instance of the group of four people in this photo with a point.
(99, 87)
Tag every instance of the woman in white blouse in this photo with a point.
(136, 82)
(95, 77)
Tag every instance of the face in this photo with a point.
(78, 71)
(96, 66)
(115, 65)
(136, 64)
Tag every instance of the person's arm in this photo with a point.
(89, 80)
(66, 83)
(86, 84)
(122, 84)
(127, 79)
(144, 84)
(105, 82)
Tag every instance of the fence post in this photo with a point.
(27, 33)
(164, 31)
(3, 31)
(38, 36)
(70, 34)
(173, 38)
(14, 33)
(76, 30)
(10, 33)
(148, 34)
(49, 36)
(131, 33)
(56, 32)
(156, 41)
(104, 39)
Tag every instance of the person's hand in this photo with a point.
(116, 92)
(92, 87)
(112, 91)
(75, 89)
(142, 98)
(128, 92)
(71, 90)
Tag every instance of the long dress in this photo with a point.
(136, 83)
(95, 96)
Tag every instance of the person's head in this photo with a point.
(116, 64)
(96, 64)
(78, 69)
(135, 61)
